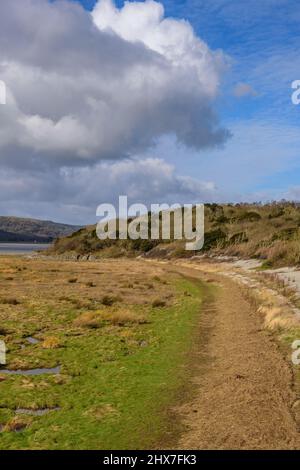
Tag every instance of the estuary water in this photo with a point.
(21, 248)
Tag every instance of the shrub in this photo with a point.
(222, 219)
(275, 213)
(286, 234)
(214, 238)
(248, 216)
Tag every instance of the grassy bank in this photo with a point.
(270, 232)
(122, 354)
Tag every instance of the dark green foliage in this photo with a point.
(214, 238)
(246, 216)
(286, 234)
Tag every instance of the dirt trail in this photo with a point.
(242, 385)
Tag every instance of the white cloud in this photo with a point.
(85, 88)
(73, 194)
(88, 98)
(174, 39)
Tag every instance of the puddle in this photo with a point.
(40, 412)
(54, 370)
(32, 340)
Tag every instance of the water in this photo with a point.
(32, 340)
(21, 248)
(39, 412)
(54, 370)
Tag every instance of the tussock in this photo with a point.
(87, 320)
(17, 424)
(123, 316)
(277, 312)
(51, 343)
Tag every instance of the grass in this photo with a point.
(270, 232)
(118, 380)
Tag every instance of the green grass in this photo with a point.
(116, 385)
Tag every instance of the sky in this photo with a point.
(172, 101)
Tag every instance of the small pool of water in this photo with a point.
(54, 370)
(32, 340)
(39, 412)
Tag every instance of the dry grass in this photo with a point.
(100, 412)
(40, 302)
(51, 342)
(90, 284)
(277, 311)
(273, 300)
(270, 232)
(123, 317)
(277, 317)
(120, 317)
(92, 344)
(87, 320)
(17, 424)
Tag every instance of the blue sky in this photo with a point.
(91, 115)
(261, 38)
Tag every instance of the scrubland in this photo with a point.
(269, 232)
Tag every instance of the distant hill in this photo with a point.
(16, 229)
(270, 232)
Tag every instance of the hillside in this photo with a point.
(270, 232)
(15, 229)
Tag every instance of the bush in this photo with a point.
(213, 238)
(285, 234)
(248, 216)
